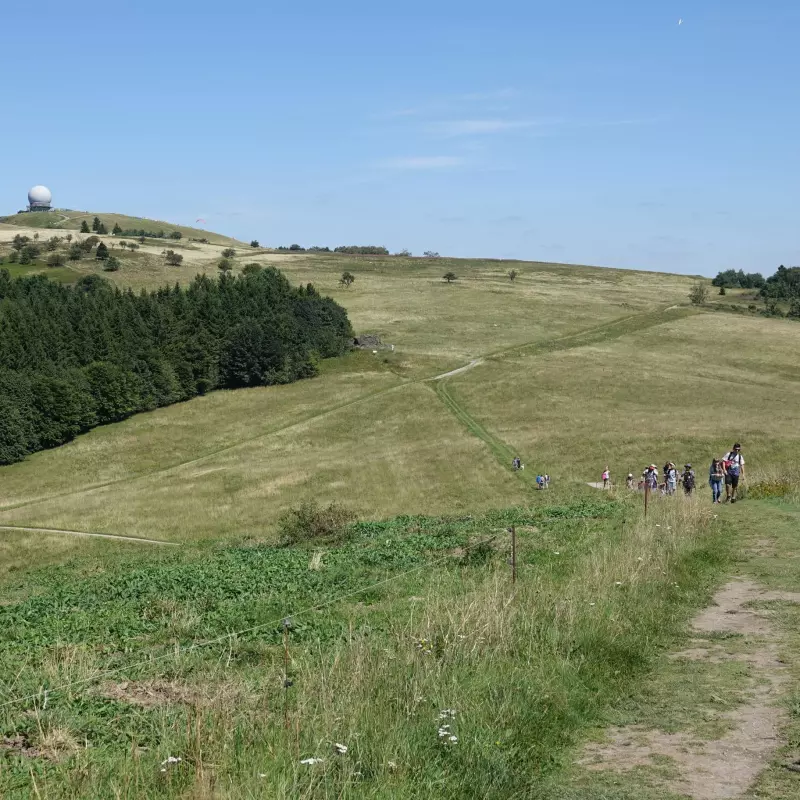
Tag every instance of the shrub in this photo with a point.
(699, 294)
(172, 258)
(774, 487)
(28, 254)
(228, 252)
(311, 521)
(55, 260)
(255, 243)
(347, 279)
(450, 277)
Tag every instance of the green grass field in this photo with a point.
(61, 219)
(571, 368)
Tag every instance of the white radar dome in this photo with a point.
(40, 196)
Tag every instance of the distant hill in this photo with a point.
(71, 220)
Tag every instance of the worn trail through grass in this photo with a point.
(501, 450)
(119, 537)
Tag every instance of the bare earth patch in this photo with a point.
(150, 694)
(725, 767)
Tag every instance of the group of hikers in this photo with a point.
(726, 471)
(542, 481)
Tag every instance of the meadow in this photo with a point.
(411, 611)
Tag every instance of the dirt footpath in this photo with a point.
(727, 766)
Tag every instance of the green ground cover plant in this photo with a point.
(404, 626)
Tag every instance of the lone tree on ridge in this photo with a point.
(450, 277)
(347, 279)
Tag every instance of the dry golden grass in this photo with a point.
(683, 391)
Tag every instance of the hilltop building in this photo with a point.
(39, 199)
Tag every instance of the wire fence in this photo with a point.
(179, 650)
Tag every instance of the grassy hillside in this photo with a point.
(412, 612)
(71, 221)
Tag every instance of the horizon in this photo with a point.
(577, 135)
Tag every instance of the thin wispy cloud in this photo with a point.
(481, 127)
(422, 162)
(450, 104)
(498, 94)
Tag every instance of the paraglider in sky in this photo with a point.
(199, 219)
(680, 22)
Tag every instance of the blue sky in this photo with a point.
(578, 130)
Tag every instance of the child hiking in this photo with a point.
(671, 478)
(688, 479)
(606, 478)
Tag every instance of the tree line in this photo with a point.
(73, 357)
(782, 287)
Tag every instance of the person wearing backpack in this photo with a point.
(688, 479)
(671, 478)
(734, 470)
(716, 475)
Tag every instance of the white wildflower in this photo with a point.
(263, 774)
(171, 760)
(447, 713)
(617, 583)
(592, 604)
(392, 765)
(453, 739)
(311, 761)
(556, 553)
(341, 749)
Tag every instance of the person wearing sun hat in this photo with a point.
(688, 479)
(734, 470)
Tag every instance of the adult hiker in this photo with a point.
(540, 482)
(606, 477)
(670, 478)
(651, 477)
(716, 475)
(688, 479)
(515, 464)
(546, 481)
(734, 471)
